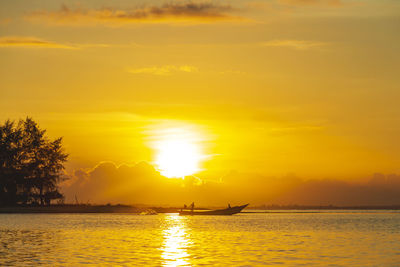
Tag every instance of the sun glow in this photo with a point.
(178, 153)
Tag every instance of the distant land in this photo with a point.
(119, 208)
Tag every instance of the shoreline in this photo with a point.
(73, 208)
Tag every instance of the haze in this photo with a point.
(280, 101)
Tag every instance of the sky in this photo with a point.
(256, 89)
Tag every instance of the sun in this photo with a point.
(178, 154)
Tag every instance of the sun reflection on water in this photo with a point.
(174, 249)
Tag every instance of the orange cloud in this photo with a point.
(139, 183)
(15, 41)
(332, 3)
(202, 12)
(142, 183)
(5, 21)
(164, 70)
(294, 44)
(34, 42)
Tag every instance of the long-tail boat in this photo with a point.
(228, 211)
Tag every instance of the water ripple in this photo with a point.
(319, 239)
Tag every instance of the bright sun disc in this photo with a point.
(178, 155)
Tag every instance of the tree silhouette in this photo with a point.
(30, 164)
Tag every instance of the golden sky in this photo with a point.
(309, 87)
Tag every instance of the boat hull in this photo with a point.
(228, 211)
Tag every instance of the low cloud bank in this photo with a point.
(143, 184)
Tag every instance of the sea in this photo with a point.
(282, 238)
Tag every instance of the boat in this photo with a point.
(149, 212)
(228, 211)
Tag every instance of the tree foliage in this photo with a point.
(31, 165)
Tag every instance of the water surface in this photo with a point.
(288, 239)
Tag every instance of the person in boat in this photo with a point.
(184, 207)
(192, 206)
(229, 205)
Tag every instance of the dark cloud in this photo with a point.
(341, 193)
(167, 13)
(190, 9)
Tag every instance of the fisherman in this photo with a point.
(184, 207)
(229, 206)
(192, 206)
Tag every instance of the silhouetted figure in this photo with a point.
(192, 206)
(229, 206)
(184, 207)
